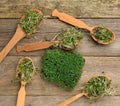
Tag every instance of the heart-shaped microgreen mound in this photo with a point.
(62, 68)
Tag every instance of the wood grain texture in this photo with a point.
(77, 8)
(93, 66)
(88, 47)
(54, 100)
(100, 59)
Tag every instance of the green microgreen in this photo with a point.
(25, 70)
(30, 22)
(103, 34)
(97, 86)
(62, 68)
(69, 38)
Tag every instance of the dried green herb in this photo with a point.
(30, 22)
(25, 70)
(97, 86)
(69, 38)
(103, 34)
(62, 68)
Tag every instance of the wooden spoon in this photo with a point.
(71, 20)
(19, 34)
(22, 92)
(57, 41)
(43, 45)
(74, 98)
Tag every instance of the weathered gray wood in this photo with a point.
(94, 66)
(100, 59)
(54, 100)
(77, 8)
(51, 27)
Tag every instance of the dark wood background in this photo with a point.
(99, 58)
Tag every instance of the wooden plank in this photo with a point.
(54, 100)
(94, 66)
(77, 8)
(51, 27)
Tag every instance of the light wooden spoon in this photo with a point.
(84, 93)
(57, 41)
(71, 20)
(22, 92)
(19, 34)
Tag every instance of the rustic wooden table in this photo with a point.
(99, 58)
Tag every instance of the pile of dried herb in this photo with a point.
(25, 70)
(62, 68)
(68, 39)
(30, 21)
(97, 86)
(103, 34)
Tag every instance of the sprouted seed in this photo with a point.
(97, 86)
(69, 38)
(30, 22)
(25, 70)
(102, 34)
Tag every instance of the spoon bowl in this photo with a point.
(71, 20)
(100, 41)
(19, 34)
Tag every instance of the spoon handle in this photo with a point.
(35, 46)
(21, 95)
(70, 100)
(71, 20)
(19, 34)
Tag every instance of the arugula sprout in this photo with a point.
(68, 39)
(25, 70)
(30, 22)
(97, 86)
(103, 34)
